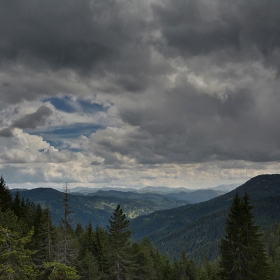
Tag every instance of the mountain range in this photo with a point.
(95, 208)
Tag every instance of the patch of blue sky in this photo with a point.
(89, 107)
(59, 137)
(56, 143)
(65, 104)
(68, 105)
(69, 131)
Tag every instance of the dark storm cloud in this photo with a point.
(6, 132)
(58, 34)
(33, 120)
(43, 44)
(81, 35)
(197, 27)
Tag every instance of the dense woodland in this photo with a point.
(32, 247)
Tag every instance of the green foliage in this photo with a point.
(89, 267)
(10, 221)
(15, 260)
(208, 271)
(185, 268)
(272, 240)
(79, 230)
(242, 254)
(58, 271)
(143, 260)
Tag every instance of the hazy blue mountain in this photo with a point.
(226, 188)
(87, 190)
(163, 190)
(196, 195)
(198, 227)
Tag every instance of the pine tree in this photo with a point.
(17, 205)
(242, 254)
(186, 268)
(100, 250)
(79, 230)
(5, 196)
(66, 251)
(144, 263)
(45, 239)
(86, 242)
(120, 254)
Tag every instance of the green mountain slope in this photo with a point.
(98, 208)
(198, 228)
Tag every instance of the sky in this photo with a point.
(117, 93)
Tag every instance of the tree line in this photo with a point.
(32, 247)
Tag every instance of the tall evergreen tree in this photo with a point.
(17, 205)
(89, 267)
(101, 248)
(242, 254)
(5, 196)
(120, 254)
(66, 250)
(44, 240)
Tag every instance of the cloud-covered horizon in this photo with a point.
(135, 93)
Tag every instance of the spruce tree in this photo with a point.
(5, 196)
(120, 254)
(101, 249)
(89, 267)
(242, 254)
(45, 239)
(66, 239)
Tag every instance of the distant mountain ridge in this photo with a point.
(163, 190)
(226, 188)
(98, 208)
(152, 189)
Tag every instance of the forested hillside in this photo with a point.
(198, 228)
(33, 248)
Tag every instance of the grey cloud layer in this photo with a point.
(100, 38)
(34, 119)
(206, 72)
(201, 27)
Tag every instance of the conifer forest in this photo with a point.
(32, 247)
